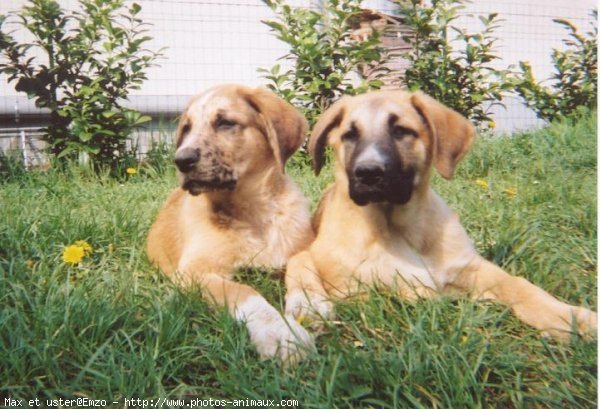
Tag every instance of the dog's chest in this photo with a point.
(229, 248)
(397, 265)
(282, 231)
(266, 245)
(267, 240)
(390, 260)
(393, 265)
(418, 250)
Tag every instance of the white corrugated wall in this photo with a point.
(211, 41)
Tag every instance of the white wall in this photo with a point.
(213, 41)
(206, 42)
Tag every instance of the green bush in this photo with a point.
(574, 84)
(447, 62)
(160, 157)
(322, 55)
(81, 66)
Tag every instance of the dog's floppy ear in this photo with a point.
(327, 122)
(285, 127)
(452, 132)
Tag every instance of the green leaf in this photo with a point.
(135, 9)
(85, 136)
(142, 119)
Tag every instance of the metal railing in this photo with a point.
(26, 142)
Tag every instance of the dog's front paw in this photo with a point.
(281, 338)
(272, 334)
(571, 320)
(302, 304)
(586, 321)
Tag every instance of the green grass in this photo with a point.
(114, 328)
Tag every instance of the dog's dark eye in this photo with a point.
(224, 123)
(399, 132)
(185, 129)
(350, 135)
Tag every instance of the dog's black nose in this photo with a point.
(186, 159)
(369, 173)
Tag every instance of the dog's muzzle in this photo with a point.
(373, 182)
(200, 178)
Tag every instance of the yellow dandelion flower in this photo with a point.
(483, 183)
(73, 254)
(491, 124)
(510, 192)
(131, 171)
(87, 249)
(358, 344)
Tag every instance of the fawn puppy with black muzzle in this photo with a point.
(381, 224)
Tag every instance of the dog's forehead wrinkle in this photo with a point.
(208, 105)
(379, 112)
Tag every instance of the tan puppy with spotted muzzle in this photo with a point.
(236, 207)
(381, 224)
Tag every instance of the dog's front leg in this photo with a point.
(272, 334)
(305, 295)
(530, 303)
